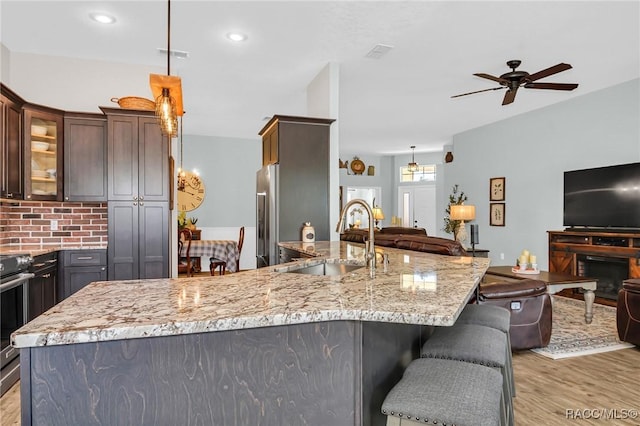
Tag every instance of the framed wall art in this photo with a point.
(496, 214)
(496, 189)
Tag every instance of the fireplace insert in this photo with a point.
(609, 271)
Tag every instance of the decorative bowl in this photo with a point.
(38, 130)
(39, 146)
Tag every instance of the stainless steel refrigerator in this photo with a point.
(285, 200)
(294, 187)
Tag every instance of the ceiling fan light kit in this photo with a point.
(513, 80)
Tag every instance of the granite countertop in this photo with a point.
(37, 250)
(417, 288)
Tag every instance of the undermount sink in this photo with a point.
(326, 268)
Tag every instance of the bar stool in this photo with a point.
(495, 317)
(445, 392)
(473, 344)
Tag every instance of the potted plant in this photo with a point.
(192, 223)
(455, 199)
(182, 220)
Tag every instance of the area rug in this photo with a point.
(571, 336)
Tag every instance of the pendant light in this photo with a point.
(167, 91)
(413, 166)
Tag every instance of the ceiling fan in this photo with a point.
(513, 80)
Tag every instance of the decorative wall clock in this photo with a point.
(190, 191)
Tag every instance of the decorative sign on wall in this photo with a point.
(496, 189)
(496, 214)
(496, 193)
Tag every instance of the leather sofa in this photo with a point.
(530, 307)
(628, 312)
(415, 239)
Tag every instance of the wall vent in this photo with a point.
(180, 54)
(378, 51)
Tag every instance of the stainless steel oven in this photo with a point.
(14, 293)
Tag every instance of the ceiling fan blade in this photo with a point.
(549, 71)
(490, 77)
(477, 91)
(510, 96)
(552, 86)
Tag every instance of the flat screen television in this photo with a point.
(603, 197)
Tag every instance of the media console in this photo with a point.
(609, 257)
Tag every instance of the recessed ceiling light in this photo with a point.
(236, 36)
(103, 18)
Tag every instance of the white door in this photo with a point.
(417, 207)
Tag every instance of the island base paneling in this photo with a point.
(328, 373)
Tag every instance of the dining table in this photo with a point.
(226, 250)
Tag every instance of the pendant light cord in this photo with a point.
(168, 37)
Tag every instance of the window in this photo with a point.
(425, 173)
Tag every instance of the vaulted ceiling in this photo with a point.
(387, 104)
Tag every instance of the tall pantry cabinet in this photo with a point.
(138, 195)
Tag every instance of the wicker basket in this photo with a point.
(133, 102)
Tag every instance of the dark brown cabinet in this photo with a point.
(138, 157)
(270, 145)
(11, 154)
(81, 267)
(43, 287)
(85, 157)
(138, 240)
(43, 153)
(138, 196)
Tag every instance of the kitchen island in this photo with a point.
(259, 347)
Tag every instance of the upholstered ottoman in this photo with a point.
(628, 312)
(530, 307)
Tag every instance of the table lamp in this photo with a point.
(461, 212)
(378, 215)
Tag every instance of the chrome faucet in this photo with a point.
(370, 248)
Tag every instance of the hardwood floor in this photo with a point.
(10, 406)
(545, 389)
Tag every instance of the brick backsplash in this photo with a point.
(28, 224)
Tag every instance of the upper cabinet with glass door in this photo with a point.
(43, 146)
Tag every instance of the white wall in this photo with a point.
(323, 101)
(76, 84)
(5, 65)
(532, 151)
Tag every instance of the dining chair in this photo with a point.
(184, 257)
(215, 263)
